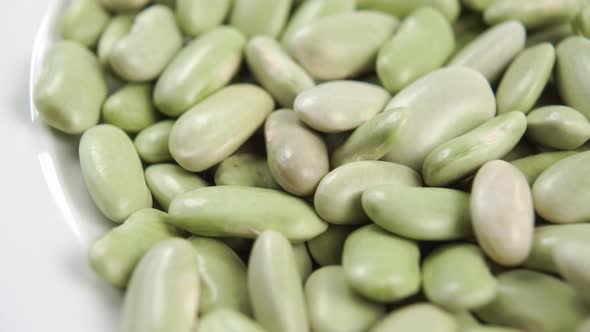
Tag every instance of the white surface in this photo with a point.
(47, 220)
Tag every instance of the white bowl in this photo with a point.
(74, 297)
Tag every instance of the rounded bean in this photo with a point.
(463, 155)
(276, 71)
(502, 213)
(581, 23)
(215, 128)
(203, 67)
(336, 47)
(419, 317)
(70, 89)
(152, 142)
(558, 127)
(436, 115)
(572, 260)
(114, 255)
(167, 181)
(532, 13)
(525, 79)
(245, 169)
(534, 165)
(117, 28)
(552, 34)
(84, 21)
(338, 196)
(522, 303)
(423, 43)
(561, 192)
(310, 11)
(339, 106)
(163, 293)
(113, 173)
(297, 156)
(233, 211)
(547, 238)
(465, 286)
(430, 214)
(334, 306)
(381, 266)
(494, 50)
(573, 75)
(130, 108)
(197, 16)
(272, 267)
(153, 40)
(373, 139)
(223, 277)
(271, 23)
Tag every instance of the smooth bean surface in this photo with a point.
(561, 191)
(152, 142)
(130, 108)
(373, 139)
(153, 40)
(275, 285)
(465, 286)
(334, 306)
(276, 71)
(338, 197)
(234, 211)
(114, 255)
(493, 51)
(502, 212)
(420, 317)
(167, 181)
(223, 277)
(84, 21)
(271, 23)
(381, 266)
(401, 8)
(245, 169)
(203, 67)
(340, 105)
(522, 303)
(196, 16)
(71, 88)
(423, 43)
(436, 115)
(297, 156)
(215, 128)
(461, 156)
(525, 79)
(429, 214)
(113, 173)
(164, 290)
(343, 45)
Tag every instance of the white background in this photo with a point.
(45, 283)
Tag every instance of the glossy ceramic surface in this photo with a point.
(49, 220)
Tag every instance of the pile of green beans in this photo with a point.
(333, 165)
